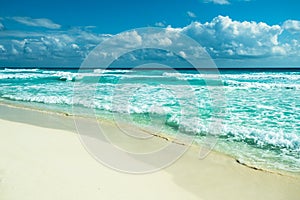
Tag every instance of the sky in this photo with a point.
(235, 33)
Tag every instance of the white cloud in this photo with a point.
(182, 54)
(191, 14)
(226, 37)
(72, 46)
(222, 37)
(127, 39)
(2, 49)
(160, 39)
(292, 25)
(278, 50)
(51, 47)
(164, 41)
(221, 2)
(1, 26)
(41, 22)
(14, 51)
(160, 24)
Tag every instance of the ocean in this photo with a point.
(260, 125)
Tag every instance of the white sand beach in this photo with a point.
(43, 158)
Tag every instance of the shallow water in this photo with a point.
(259, 109)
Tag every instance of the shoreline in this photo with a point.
(67, 117)
(44, 158)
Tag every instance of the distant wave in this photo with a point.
(246, 81)
(251, 85)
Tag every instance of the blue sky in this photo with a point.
(236, 33)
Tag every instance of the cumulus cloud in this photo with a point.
(68, 47)
(164, 41)
(292, 25)
(191, 14)
(182, 54)
(222, 37)
(127, 39)
(225, 37)
(278, 50)
(41, 22)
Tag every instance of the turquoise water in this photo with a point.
(260, 126)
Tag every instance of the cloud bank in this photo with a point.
(47, 48)
(42, 22)
(227, 38)
(231, 42)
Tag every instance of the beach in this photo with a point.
(131, 100)
(42, 158)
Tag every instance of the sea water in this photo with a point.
(260, 126)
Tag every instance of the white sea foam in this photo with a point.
(251, 85)
(9, 70)
(21, 76)
(184, 76)
(263, 76)
(65, 76)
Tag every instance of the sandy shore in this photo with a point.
(43, 158)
